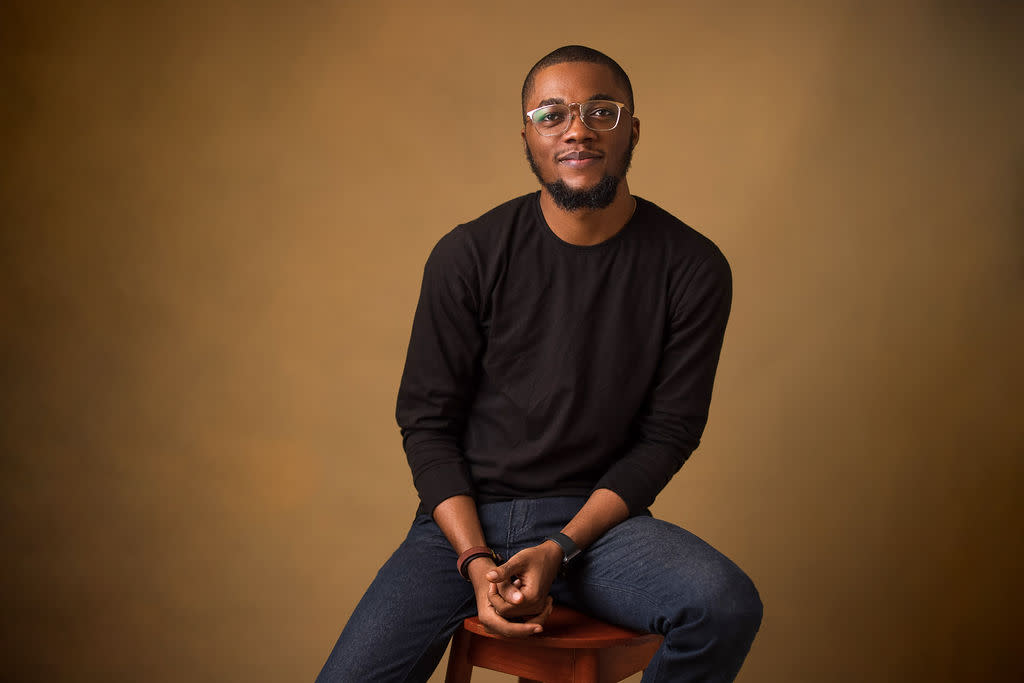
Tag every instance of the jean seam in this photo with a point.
(508, 529)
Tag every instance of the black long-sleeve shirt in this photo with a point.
(541, 368)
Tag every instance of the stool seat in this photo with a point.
(573, 648)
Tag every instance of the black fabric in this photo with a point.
(539, 368)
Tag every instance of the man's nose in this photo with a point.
(577, 130)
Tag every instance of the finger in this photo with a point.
(518, 613)
(497, 601)
(508, 592)
(507, 607)
(511, 593)
(496, 624)
(512, 567)
(509, 610)
(530, 591)
(504, 572)
(543, 616)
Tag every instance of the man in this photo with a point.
(559, 373)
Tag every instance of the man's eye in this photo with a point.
(602, 113)
(551, 117)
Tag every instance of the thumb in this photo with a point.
(502, 573)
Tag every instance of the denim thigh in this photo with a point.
(400, 628)
(651, 575)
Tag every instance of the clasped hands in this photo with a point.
(513, 600)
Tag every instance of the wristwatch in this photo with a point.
(569, 548)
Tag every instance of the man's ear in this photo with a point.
(635, 133)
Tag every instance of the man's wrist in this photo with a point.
(477, 552)
(553, 550)
(477, 570)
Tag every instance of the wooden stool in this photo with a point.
(574, 648)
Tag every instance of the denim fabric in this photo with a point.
(645, 574)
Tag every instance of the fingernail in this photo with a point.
(517, 596)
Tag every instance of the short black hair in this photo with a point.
(578, 53)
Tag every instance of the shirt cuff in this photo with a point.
(442, 481)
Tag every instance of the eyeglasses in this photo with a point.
(597, 115)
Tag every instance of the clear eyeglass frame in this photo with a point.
(585, 109)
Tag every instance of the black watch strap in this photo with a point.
(569, 548)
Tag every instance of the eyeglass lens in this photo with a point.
(596, 115)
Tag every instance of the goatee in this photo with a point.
(598, 196)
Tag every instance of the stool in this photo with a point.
(573, 648)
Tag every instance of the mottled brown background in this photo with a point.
(214, 222)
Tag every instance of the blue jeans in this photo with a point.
(645, 574)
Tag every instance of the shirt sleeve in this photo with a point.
(440, 373)
(669, 427)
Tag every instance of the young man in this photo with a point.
(559, 373)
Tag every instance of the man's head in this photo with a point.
(578, 53)
(581, 168)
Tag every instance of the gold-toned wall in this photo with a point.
(214, 219)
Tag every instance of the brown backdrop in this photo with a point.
(214, 223)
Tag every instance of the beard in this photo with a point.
(598, 196)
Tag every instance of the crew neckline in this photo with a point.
(585, 247)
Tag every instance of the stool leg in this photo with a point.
(584, 668)
(459, 668)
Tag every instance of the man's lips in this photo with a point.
(579, 155)
(580, 158)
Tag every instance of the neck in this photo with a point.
(587, 227)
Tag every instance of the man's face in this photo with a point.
(588, 180)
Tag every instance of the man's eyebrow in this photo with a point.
(559, 100)
(551, 100)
